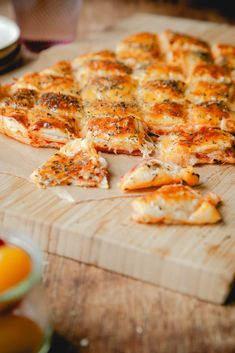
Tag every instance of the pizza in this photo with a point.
(168, 97)
(176, 204)
(77, 163)
(152, 172)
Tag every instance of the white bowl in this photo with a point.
(9, 34)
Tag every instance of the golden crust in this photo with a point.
(62, 68)
(177, 41)
(125, 135)
(211, 115)
(139, 49)
(188, 60)
(154, 173)
(161, 90)
(224, 55)
(97, 68)
(210, 73)
(206, 146)
(115, 89)
(163, 72)
(166, 117)
(100, 55)
(174, 204)
(77, 163)
(104, 109)
(202, 91)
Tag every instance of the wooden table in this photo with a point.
(101, 312)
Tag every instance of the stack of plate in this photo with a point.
(9, 44)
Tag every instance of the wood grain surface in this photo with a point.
(196, 260)
(101, 312)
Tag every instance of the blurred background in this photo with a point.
(99, 15)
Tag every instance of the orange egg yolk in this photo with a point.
(15, 266)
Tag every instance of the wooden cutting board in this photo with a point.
(198, 261)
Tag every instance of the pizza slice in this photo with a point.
(154, 173)
(203, 91)
(225, 56)
(206, 146)
(187, 60)
(78, 62)
(210, 73)
(55, 120)
(115, 89)
(14, 114)
(100, 68)
(139, 50)
(166, 117)
(77, 163)
(161, 90)
(158, 71)
(211, 115)
(177, 204)
(118, 134)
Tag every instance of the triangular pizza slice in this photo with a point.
(77, 163)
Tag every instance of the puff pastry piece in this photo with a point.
(97, 68)
(171, 40)
(55, 120)
(176, 204)
(161, 90)
(210, 73)
(105, 109)
(206, 146)
(203, 91)
(188, 60)
(166, 117)
(14, 114)
(99, 55)
(162, 72)
(211, 115)
(139, 50)
(76, 163)
(225, 56)
(121, 135)
(154, 173)
(114, 89)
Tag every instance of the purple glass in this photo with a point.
(44, 23)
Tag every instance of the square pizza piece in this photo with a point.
(77, 163)
(78, 62)
(139, 50)
(225, 56)
(115, 89)
(158, 91)
(55, 120)
(166, 117)
(171, 40)
(162, 72)
(188, 60)
(203, 91)
(120, 135)
(104, 109)
(206, 146)
(99, 68)
(210, 73)
(176, 204)
(211, 115)
(14, 114)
